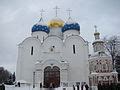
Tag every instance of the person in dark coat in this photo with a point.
(86, 86)
(99, 86)
(18, 84)
(40, 85)
(73, 87)
(0, 86)
(53, 85)
(78, 87)
(82, 87)
(3, 86)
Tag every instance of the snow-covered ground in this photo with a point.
(11, 87)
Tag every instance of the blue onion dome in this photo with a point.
(71, 25)
(40, 26)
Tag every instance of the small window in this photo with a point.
(37, 36)
(52, 48)
(43, 38)
(104, 66)
(73, 49)
(32, 50)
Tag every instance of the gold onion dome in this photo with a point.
(96, 33)
(56, 22)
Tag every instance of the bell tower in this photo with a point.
(98, 44)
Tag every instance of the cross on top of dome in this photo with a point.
(95, 28)
(56, 11)
(41, 14)
(96, 34)
(69, 13)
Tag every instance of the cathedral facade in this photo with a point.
(54, 54)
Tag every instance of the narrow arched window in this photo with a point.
(37, 36)
(43, 38)
(32, 50)
(73, 49)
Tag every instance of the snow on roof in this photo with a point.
(98, 40)
(22, 81)
(94, 73)
(99, 54)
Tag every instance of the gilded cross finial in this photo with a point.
(56, 11)
(95, 28)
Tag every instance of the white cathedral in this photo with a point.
(56, 53)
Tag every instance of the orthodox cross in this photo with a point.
(41, 13)
(56, 10)
(95, 28)
(69, 13)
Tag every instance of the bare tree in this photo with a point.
(5, 76)
(112, 45)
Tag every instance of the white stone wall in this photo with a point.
(26, 61)
(40, 35)
(70, 32)
(73, 67)
(56, 31)
(78, 61)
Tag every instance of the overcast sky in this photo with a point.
(18, 16)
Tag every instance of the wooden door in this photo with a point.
(51, 77)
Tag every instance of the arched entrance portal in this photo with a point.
(51, 77)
